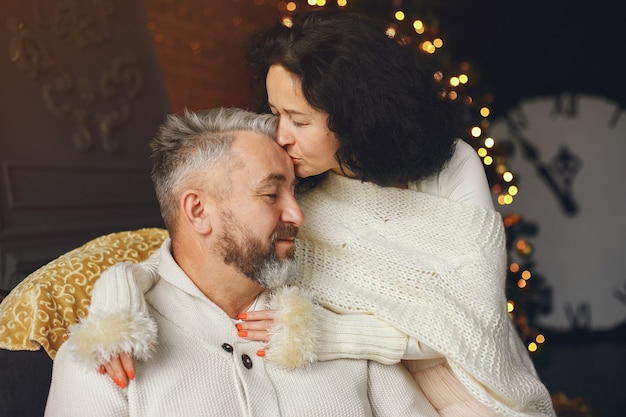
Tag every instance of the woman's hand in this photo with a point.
(256, 325)
(121, 369)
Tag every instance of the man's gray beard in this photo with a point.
(275, 273)
(261, 266)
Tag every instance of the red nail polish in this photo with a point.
(242, 316)
(239, 326)
(260, 353)
(119, 383)
(242, 333)
(130, 375)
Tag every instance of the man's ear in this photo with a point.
(195, 211)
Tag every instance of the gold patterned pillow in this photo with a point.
(38, 311)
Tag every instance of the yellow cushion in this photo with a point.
(38, 311)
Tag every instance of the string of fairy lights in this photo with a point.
(455, 80)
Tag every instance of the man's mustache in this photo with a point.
(285, 232)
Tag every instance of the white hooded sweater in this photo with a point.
(200, 367)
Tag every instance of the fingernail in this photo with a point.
(101, 370)
(260, 353)
(242, 316)
(242, 333)
(238, 326)
(119, 383)
(130, 375)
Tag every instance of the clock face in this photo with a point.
(569, 164)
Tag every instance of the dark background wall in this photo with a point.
(528, 48)
(201, 47)
(81, 96)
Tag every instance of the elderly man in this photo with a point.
(226, 192)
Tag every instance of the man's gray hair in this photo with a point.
(187, 145)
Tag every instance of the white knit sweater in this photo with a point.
(431, 267)
(200, 367)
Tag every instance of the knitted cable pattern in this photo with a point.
(431, 267)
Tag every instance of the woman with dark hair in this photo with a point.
(380, 102)
(402, 246)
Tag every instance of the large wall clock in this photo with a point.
(569, 162)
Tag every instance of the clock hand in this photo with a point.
(617, 113)
(561, 189)
(620, 294)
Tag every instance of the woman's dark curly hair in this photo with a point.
(383, 103)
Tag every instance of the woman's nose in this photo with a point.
(283, 136)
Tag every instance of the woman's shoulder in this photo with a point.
(463, 179)
(464, 150)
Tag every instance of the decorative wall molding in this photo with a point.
(81, 23)
(97, 104)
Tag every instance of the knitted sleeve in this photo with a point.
(305, 332)
(118, 320)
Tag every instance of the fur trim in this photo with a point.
(293, 339)
(102, 336)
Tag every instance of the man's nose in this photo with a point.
(292, 213)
